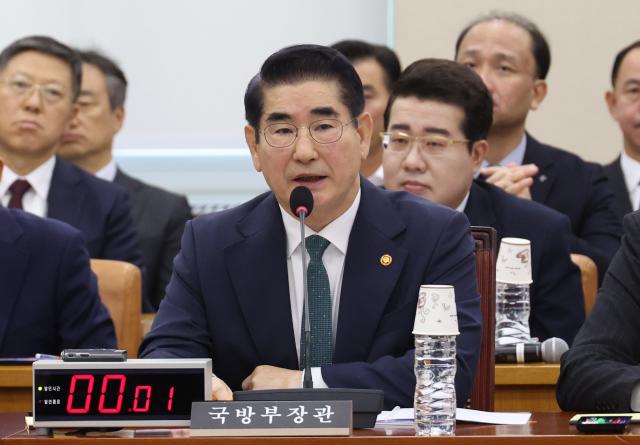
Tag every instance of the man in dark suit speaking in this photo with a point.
(437, 120)
(236, 291)
(48, 295)
(159, 215)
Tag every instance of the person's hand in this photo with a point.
(271, 377)
(512, 178)
(220, 390)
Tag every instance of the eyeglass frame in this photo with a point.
(38, 86)
(308, 127)
(412, 139)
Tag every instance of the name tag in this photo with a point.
(282, 418)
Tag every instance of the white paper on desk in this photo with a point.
(402, 416)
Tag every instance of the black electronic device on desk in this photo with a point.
(138, 392)
(366, 403)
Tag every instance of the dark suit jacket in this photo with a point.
(100, 210)
(48, 293)
(580, 190)
(159, 217)
(557, 304)
(601, 368)
(621, 202)
(228, 297)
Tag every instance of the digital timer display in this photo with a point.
(105, 395)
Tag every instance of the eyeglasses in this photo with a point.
(323, 131)
(432, 145)
(20, 85)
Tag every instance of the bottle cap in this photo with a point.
(436, 313)
(514, 261)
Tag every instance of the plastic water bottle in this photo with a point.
(512, 314)
(435, 397)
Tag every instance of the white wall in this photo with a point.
(584, 36)
(189, 61)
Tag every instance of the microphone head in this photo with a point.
(553, 348)
(301, 200)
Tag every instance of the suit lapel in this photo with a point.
(367, 285)
(66, 194)
(136, 199)
(258, 269)
(13, 267)
(543, 182)
(619, 188)
(479, 208)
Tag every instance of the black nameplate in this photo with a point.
(282, 418)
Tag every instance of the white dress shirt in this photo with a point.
(516, 156)
(35, 199)
(337, 233)
(631, 172)
(108, 172)
(377, 178)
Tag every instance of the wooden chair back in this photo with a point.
(119, 285)
(484, 383)
(589, 273)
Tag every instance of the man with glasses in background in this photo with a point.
(236, 292)
(623, 101)
(437, 120)
(39, 84)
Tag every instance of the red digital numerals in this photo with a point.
(110, 382)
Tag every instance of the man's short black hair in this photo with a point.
(116, 80)
(300, 63)
(450, 83)
(620, 58)
(357, 50)
(539, 45)
(51, 47)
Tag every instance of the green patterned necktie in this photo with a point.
(319, 295)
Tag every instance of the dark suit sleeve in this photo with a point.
(601, 368)
(558, 307)
(598, 235)
(121, 241)
(83, 321)
(179, 329)
(171, 246)
(453, 263)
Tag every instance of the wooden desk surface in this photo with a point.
(528, 387)
(543, 429)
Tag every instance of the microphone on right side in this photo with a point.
(548, 351)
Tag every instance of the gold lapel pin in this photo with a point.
(386, 260)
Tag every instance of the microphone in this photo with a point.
(301, 204)
(548, 351)
(366, 403)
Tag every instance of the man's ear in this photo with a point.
(250, 137)
(118, 117)
(365, 127)
(539, 93)
(610, 98)
(478, 152)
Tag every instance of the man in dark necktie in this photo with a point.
(39, 85)
(236, 293)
